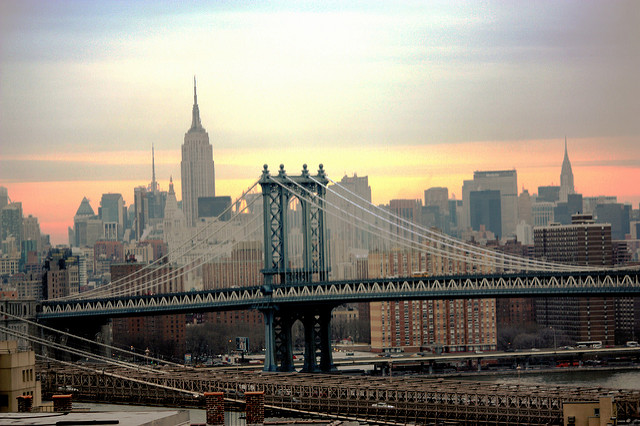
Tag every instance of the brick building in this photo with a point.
(161, 334)
(583, 243)
(448, 325)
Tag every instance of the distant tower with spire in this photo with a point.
(154, 183)
(566, 176)
(197, 167)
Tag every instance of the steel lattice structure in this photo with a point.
(399, 400)
(590, 283)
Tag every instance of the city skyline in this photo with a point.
(420, 95)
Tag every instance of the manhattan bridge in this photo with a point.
(277, 251)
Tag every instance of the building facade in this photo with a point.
(585, 243)
(428, 325)
(505, 181)
(162, 334)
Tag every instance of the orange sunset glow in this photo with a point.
(412, 95)
(403, 172)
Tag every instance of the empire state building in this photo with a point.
(198, 175)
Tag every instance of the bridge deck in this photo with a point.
(400, 400)
(590, 283)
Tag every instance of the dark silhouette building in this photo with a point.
(616, 214)
(485, 209)
(549, 194)
(214, 207)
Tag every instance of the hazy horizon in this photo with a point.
(413, 95)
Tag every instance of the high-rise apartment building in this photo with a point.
(438, 325)
(197, 166)
(581, 243)
(584, 242)
(505, 181)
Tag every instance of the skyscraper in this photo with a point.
(198, 175)
(87, 227)
(485, 209)
(505, 181)
(566, 176)
(111, 212)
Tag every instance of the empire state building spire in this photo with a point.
(196, 125)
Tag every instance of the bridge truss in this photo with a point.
(589, 283)
(397, 400)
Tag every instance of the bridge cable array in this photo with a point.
(92, 342)
(446, 240)
(73, 351)
(411, 243)
(122, 286)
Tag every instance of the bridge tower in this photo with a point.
(277, 192)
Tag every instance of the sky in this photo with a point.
(413, 94)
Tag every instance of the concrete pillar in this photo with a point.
(25, 403)
(255, 408)
(62, 403)
(215, 407)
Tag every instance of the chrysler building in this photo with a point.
(198, 176)
(566, 176)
